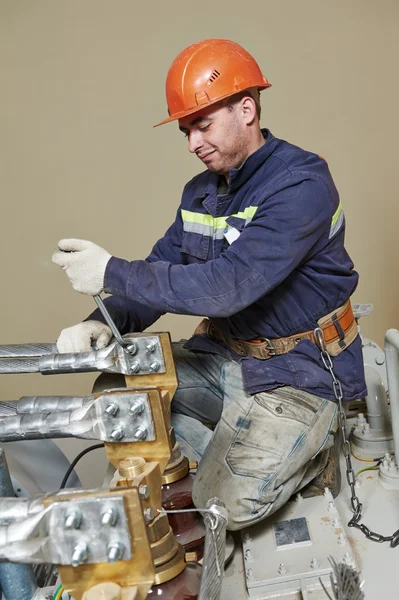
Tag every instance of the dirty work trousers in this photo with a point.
(263, 447)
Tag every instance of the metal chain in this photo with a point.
(350, 474)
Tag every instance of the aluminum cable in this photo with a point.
(11, 366)
(27, 350)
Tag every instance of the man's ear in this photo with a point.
(248, 108)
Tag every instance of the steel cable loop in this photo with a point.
(215, 519)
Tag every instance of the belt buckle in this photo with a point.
(269, 346)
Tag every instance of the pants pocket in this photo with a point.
(273, 429)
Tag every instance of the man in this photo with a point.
(257, 247)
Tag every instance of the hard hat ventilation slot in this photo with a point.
(214, 75)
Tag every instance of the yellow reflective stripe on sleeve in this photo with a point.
(336, 221)
(336, 215)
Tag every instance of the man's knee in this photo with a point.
(244, 498)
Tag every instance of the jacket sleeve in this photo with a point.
(284, 232)
(130, 315)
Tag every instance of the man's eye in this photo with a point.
(204, 127)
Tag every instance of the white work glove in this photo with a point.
(84, 263)
(78, 338)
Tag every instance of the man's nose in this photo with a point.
(194, 141)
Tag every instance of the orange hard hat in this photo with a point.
(205, 73)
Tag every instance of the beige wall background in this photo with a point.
(82, 83)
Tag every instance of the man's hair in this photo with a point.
(252, 92)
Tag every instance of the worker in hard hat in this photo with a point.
(257, 248)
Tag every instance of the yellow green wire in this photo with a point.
(367, 469)
(58, 592)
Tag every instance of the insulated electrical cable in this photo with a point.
(75, 462)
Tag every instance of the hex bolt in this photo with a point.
(144, 491)
(136, 407)
(110, 517)
(149, 514)
(115, 552)
(249, 573)
(341, 539)
(73, 520)
(135, 367)
(151, 346)
(131, 348)
(112, 410)
(116, 434)
(282, 569)
(80, 554)
(140, 433)
(154, 366)
(314, 563)
(249, 557)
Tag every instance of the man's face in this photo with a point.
(218, 136)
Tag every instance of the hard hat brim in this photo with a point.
(191, 111)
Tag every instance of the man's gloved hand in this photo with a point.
(84, 263)
(78, 338)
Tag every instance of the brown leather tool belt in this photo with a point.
(339, 326)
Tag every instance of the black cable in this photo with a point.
(75, 462)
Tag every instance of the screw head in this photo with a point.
(80, 554)
(154, 366)
(112, 410)
(140, 433)
(116, 434)
(73, 520)
(110, 517)
(144, 491)
(136, 407)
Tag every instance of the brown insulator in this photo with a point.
(188, 527)
(185, 586)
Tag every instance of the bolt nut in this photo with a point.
(151, 346)
(131, 348)
(115, 552)
(116, 434)
(80, 554)
(149, 514)
(110, 517)
(144, 491)
(136, 407)
(135, 367)
(112, 410)
(154, 366)
(73, 520)
(140, 433)
(191, 557)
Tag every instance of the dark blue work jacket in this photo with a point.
(263, 257)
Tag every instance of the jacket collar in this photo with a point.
(209, 184)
